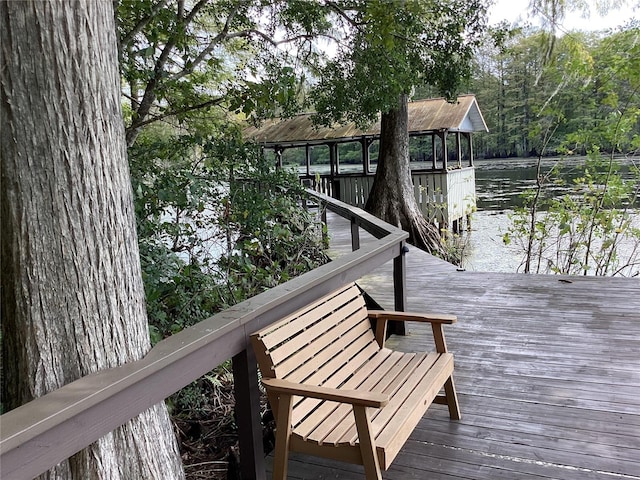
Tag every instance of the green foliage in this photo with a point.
(204, 241)
(534, 97)
(216, 225)
(179, 293)
(588, 231)
(180, 59)
(592, 106)
(277, 241)
(389, 51)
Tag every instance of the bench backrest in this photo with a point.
(321, 344)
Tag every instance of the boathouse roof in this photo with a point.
(425, 116)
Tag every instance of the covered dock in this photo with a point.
(341, 160)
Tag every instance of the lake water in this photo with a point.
(499, 185)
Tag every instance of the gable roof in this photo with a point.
(425, 116)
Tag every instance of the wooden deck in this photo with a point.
(547, 370)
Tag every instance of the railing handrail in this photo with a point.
(42, 433)
(426, 170)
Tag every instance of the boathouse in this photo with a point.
(340, 161)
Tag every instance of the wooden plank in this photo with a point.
(622, 444)
(279, 331)
(330, 349)
(379, 379)
(283, 436)
(307, 406)
(377, 366)
(367, 444)
(543, 449)
(599, 421)
(433, 459)
(345, 432)
(336, 324)
(548, 386)
(397, 428)
(399, 387)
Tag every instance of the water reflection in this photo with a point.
(500, 182)
(499, 186)
(485, 251)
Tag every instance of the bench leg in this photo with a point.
(283, 435)
(367, 444)
(452, 399)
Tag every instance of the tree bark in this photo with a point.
(392, 196)
(72, 295)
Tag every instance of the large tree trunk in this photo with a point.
(72, 295)
(392, 196)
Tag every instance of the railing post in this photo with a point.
(399, 288)
(433, 151)
(247, 393)
(355, 234)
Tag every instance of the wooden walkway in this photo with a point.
(547, 370)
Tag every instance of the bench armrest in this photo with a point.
(441, 318)
(435, 319)
(353, 397)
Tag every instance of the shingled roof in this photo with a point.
(424, 116)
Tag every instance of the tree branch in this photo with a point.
(141, 24)
(223, 35)
(140, 115)
(269, 39)
(334, 6)
(154, 118)
(342, 13)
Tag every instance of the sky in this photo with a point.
(513, 10)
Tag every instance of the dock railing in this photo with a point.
(49, 429)
(443, 196)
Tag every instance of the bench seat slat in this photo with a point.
(306, 406)
(395, 433)
(395, 386)
(329, 432)
(365, 381)
(410, 386)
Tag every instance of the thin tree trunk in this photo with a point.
(72, 295)
(392, 197)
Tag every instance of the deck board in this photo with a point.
(547, 371)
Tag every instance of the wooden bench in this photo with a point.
(338, 393)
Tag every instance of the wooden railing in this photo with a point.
(443, 196)
(446, 197)
(44, 432)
